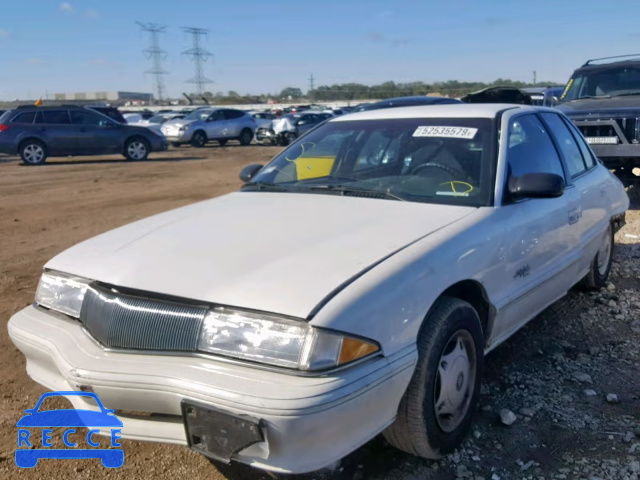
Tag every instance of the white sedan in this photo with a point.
(352, 287)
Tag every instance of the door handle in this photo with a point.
(574, 215)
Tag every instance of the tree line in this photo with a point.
(358, 91)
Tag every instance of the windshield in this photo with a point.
(612, 82)
(199, 115)
(432, 160)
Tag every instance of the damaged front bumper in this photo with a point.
(269, 419)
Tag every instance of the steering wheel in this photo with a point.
(455, 173)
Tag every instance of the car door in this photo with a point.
(589, 183)
(54, 127)
(538, 249)
(96, 134)
(213, 125)
(307, 122)
(232, 123)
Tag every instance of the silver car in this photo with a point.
(207, 124)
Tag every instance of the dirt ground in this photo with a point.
(562, 430)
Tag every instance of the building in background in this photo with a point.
(113, 97)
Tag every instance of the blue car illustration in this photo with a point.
(110, 457)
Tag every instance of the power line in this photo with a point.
(198, 56)
(311, 85)
(156, 55)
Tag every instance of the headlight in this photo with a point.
(277, 341)
(184, 128)
(61, 292)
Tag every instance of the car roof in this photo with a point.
(461, 110)
(595, 67)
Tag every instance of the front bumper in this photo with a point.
(179, 137)
(309, 421)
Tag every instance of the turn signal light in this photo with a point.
(353, 349)
(3, 127)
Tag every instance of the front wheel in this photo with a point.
(136, 149)
(435, 412)
(33, 152)
(199, 139)
(601, 264)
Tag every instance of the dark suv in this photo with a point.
(39, 132)
(603, 99)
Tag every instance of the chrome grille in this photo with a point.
(125, 321)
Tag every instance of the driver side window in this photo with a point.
(215, 116)
(530, 149)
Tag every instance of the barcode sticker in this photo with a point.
(446, 132)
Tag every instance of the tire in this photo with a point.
(222, 142)
(246, 136)
(33, 152)
(450, 324)
(601, 264)
(199, 139)
(289, 138)
(136, 149)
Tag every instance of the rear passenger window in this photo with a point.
(26, 117)
(233, 114)
(587, 154)
(567, 143)
(56, 117)
(530, 148)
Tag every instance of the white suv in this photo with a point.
(206, 124)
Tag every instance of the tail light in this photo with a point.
(3, 127)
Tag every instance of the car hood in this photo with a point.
(602, 107)
(179, 122)
(275, 252)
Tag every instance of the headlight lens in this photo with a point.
(61, 292)
(184, 128)
(277, 341)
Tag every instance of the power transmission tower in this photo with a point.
(198, 56)
(156, 55)
(535, 78)
(311, 86)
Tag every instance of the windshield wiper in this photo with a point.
(265, 186)
(363, 191)
(593, 96)
(626, 94)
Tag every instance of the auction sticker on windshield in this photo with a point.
(448, 132)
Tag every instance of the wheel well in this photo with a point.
(473, 292)
(31, 139)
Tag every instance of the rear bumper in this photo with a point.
(309, 421)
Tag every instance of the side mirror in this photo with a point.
(536, 185)
(248, 172)
(301, 122)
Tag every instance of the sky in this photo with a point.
(49, 46)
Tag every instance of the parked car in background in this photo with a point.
(409, 101)
(207, 124)
(155, 123)
(132, 118)
(544, 96)
(603, 99)
(111, 112)
(287, 128)
(36, 133)
(351, 288)
(499, 94)
(263, 119)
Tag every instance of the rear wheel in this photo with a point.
(245, 137)
(33, 152)
(601, 265)
(199, 139)
(136, 149)
(435, 412)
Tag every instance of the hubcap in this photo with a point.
(137, 150)
(604, 252)
(455, 380)
(33, 153)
